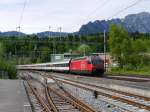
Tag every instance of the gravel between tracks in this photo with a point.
(100, 103)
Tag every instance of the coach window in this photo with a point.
(66, 64)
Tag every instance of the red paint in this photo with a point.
(87, 64)
(81, 64)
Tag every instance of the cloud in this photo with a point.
(68, 14)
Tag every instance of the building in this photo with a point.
(65, 56)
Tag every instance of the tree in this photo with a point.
(45, 54)
(139, 58)
(119, 44)
(6, 65)
(84, 49)
(1, 51)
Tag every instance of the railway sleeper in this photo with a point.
(79, 105)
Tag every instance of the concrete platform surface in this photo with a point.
(12, 96)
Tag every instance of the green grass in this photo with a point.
(118, 71)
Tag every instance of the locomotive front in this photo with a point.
(97, 65)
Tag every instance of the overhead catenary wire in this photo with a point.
(124, 9)
(93, 11)
(22, 13)
(88, 16)
(105, 3)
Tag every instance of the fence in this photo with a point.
(4, 75)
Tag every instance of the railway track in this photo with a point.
(56, 99)
(127, 101)
(63, 101)
(133, 102)
(112, 90)
(131, 78)
(37, 102)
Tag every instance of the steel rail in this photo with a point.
(72, 100)
(39, 98)
(124, 78)
(50, 101)
(75, 99)
(109, 89)
(79, 102)
(128, 78)
(113, 90)
(75, 102)
(53, 108)
(27, 93)
(95, 88)
(90, 88)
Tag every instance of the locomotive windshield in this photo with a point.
(96, 61)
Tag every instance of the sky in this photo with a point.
(70, 15)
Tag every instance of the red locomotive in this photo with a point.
(85, 65)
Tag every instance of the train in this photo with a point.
(89, 65)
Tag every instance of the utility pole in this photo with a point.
(60, 36)
(35, 51)
(54, 44)
(49, 31)
(59, 30)
(17, 29)
(105, 50)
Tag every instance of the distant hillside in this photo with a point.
(12, 33)
(134, 23)
(41, 34)
(48, 33)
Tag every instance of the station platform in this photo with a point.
(13, 97)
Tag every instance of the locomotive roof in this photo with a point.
(79, 58)
(85, 57)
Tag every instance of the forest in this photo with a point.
(32, 49)
(130, 50)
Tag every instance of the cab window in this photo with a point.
(96, 61)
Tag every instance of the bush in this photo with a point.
(8, 67)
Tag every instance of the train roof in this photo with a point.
(60, 62)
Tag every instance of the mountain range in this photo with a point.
(11, 33)
(133, 23)
(40, 34)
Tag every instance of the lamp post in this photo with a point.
(105, 50)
